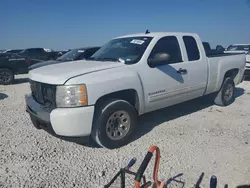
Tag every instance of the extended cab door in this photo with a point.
(168, 83)
(197, 67)
(18, 64)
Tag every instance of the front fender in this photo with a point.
(109, 81)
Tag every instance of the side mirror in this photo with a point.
(159, 59)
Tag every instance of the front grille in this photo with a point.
(44, 94)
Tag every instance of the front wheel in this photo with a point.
(114, 123)
(226, 94)
(6, 76)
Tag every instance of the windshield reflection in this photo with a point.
(129, 49)
(72, 55)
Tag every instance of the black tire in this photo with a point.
(6, 76)
(223, 98)
(101, 132)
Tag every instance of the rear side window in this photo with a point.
(4, 55)
(169, 45)
(192, 48)
(38, 50)
(31, 50)
(13, 56)
(28, 50)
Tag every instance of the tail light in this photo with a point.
(27, 61)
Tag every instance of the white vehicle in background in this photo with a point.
(238, 48)
(247, 71)
(241, 48)
(127, 77)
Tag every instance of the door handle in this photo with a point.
(182, 71)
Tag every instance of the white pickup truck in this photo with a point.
(129, 76)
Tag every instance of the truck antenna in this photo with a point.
(147, 32)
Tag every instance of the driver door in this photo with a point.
(166, 84)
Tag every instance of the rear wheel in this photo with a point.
(226, 94)
(114, 123)
(6, 76)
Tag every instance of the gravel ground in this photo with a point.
(194, 137)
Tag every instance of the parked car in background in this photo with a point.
(247, 72)
(240, 48)
(219, 49)
(129, 76)
(72, 55)
(10, 65)
(40, 54)
(12, 51)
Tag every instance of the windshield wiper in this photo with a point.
(106, 59)
(109, 59)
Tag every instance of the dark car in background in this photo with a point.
(72, 55)
(10, 65)
(40, 54)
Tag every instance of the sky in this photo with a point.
(66, 24)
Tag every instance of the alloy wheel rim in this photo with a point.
(228, 92)
(5, 76)
(118, 125)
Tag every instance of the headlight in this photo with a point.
(71, 96)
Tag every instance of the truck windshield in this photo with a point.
(129, 49)
(248, 53)
(238, 48)
(71, 55)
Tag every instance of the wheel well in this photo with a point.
(7, 68)
(231, 73)
(129, 95)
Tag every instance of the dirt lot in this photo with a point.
(194, 137)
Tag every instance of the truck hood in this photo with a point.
(58, 74)
(41, 64)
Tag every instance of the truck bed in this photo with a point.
(218, 64)
(216, 54)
